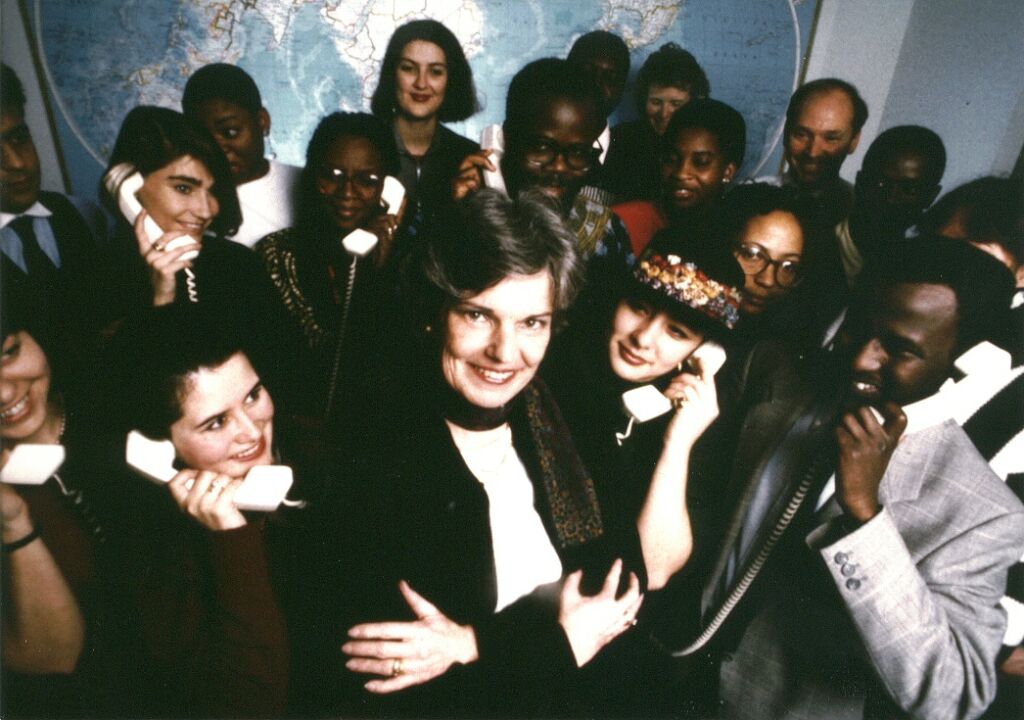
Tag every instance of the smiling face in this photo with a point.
(778, 236)
(24, 389)
(646, 343)
(662, 103)
(902, 348)
(239, 134)
(694, 170)
(821, 137)
(495, 340)
(227, 419)
(179, 197)
(421, 79)
(350, 181)
(19, 163)
(569, 128)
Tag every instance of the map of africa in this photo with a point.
(311, 57)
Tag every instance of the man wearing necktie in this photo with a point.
(47, 240)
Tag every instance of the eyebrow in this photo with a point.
(214, 416)
(186, 178)
(484, 310)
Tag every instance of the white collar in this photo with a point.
(36, 209)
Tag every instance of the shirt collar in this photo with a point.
(36, 209)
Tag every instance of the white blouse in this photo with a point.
(524, 557)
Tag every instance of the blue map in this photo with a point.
(311, 57)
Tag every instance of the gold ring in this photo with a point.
(396, 667)
(158, 247)
(218, 485)
(677, 402)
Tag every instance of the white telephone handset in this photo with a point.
(647, 402)
(492, 138)
(263, 490)
(31, 464)
(123, 181)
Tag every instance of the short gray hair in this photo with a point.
(497, 237)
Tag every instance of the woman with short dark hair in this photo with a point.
(425, 80)
(188, 192)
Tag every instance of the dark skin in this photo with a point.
(240, 135)
(19, 164)
(892, 196)
(902, 350)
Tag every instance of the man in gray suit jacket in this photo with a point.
(862, 570)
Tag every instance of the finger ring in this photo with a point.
(677, 402)
(217, 485)
(396, 667)
(633, 622)
(159, 247)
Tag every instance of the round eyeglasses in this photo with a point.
(543, 152)
(330, 179)
(754, 258)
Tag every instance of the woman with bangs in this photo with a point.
(208, 634)
(187, 190)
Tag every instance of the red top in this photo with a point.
(642, 220)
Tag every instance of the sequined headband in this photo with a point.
(684, 282)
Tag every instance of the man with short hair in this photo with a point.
(48, 240)
(861, 572)
(897, 182)
(552, 117)
(603, 57)
(823, 123)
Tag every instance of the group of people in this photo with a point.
(577, 426)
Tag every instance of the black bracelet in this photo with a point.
(19, 544)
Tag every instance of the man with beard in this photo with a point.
(553, 116)
(823, 124)
(861, 572)
(897, 182)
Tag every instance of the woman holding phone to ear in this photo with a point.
(667, 312)
(194, 569)
(317, 277)
(187, 191)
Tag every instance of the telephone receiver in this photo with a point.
(32, 464)
(263, 490)
(492, 138)
(647, 402)
(123, 181)
(361, 242)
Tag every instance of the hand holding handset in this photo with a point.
(647, 402)
(492, 138)
(361, 242)
(263, 490)
(123, 181)
(31, 464)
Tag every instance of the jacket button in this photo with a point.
(841, 558)
(853, 584)
(848, 569)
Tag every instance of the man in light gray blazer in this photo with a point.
(862, 570)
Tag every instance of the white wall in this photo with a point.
(956, 67)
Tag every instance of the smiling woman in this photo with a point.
(178, 253)
(472, 524)
(185, 557)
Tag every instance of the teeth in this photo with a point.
(865, 387)
(15, 409)
(494, 375)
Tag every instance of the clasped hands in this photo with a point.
(405, 654)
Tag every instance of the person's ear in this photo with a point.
(263, 121)
(854, 143)
(729, 172)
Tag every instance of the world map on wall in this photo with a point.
(312, 57)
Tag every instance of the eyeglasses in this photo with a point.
(330, 179)
(542, 151)
(754, 258)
